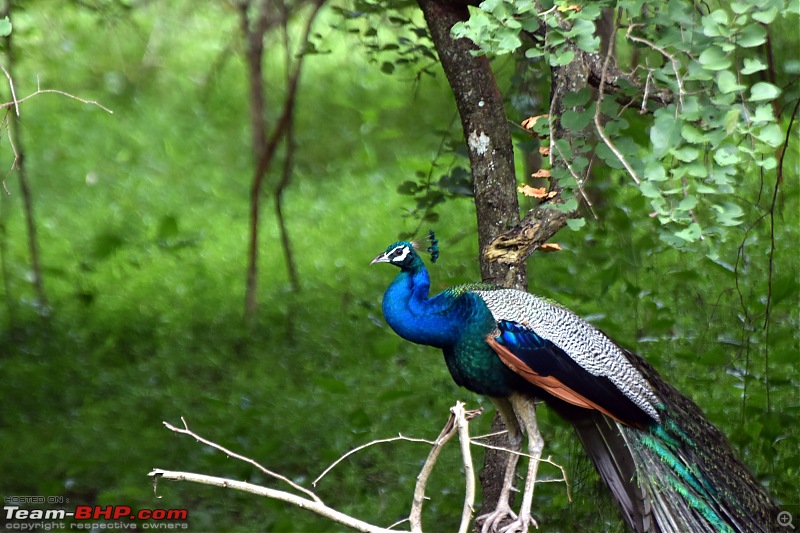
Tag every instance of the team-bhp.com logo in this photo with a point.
(87, 517)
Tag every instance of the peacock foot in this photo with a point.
(521, 525)
(491, 521)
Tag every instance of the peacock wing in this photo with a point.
(545, 365)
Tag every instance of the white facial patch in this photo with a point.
(401, 257)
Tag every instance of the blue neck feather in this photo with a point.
(414, 316)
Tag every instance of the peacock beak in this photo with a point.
(380, 259)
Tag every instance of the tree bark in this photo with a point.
(491, 156)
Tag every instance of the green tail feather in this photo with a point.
(688, 469)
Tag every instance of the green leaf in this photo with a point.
(665, 132)
(726, 155)
(768, 163)
(752, 35)
(533, 52)
(763, 91)
(561, 58)
(576, 223)
(649, 189)
(713, 58)
(727, 82)
(563, 149)
(583, 33)
(387, 67)
(509, 41)
(731, 120)
(572, 99)
(687, 154)
(770, 134)
(740, 7)
(691, 233)
(729, 214)
(577, 120)
(5, 27)
(697, 170)
(408, 188)
(688, 203)
(567, 207)
(692, 134)
(716, 24)
(752, 65)
(764, 113)
(766, 16)
(655, 173)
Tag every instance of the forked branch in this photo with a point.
(457, 424)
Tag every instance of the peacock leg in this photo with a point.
(525, 410)
(502, 511)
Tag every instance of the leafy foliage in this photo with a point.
(719, 126)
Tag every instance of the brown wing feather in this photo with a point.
(548, 383)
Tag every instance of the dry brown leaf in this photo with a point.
(544, 151)
(551, 194)
(530, 122)
(534, 192)
(541, 173)
(550, 247)
(569, 8)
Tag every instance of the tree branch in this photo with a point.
(264, 149)
(304, 503)
(187, 431)
(457, 423)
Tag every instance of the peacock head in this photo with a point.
(401, 254)
(404, 254)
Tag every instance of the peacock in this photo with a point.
(667, 467)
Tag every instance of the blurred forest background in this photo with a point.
(142, 219)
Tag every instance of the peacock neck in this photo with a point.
(416, 317)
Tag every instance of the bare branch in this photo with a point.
(314, 506)
(39, 91)
(675, 63)
(15, 103)
(578, 180)
(15, 162)
(187, 431)
(469, 471)
(457, 423)
(415, 516)
(11, 86)
(367, 445)
(598, 126)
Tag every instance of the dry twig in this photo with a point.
(458, 423)
(15, 103)
(598, 126)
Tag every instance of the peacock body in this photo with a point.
(667, 468)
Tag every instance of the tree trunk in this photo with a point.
(25, 191)
(253, 34)
(491, 156)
